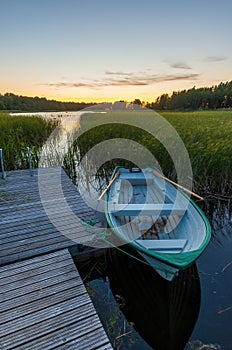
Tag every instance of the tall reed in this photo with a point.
(207, 137)
(19, 132)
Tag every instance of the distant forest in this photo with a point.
(11, 102)
(214, 97)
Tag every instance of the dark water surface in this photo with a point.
(140, 310)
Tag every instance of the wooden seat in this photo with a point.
(163, 245)
(146, 209)
(137, 178)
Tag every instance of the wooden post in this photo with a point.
(2, 164)
(29, 160)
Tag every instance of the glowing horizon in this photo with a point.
(148, 98)
(81, 53)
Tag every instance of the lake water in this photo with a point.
(141, 311)
(50, 115)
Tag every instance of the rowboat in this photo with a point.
(157, 219)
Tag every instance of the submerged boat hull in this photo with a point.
(163, 313)
(159, 221)
(165, 270)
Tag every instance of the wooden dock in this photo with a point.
(43, 301)
(26, 230)
(44, 305)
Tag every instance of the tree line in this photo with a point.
(11, 102)
(214, 97)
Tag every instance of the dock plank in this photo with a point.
(25, 228)
(56, 313)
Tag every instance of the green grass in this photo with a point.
(19, 132)
(206, 135)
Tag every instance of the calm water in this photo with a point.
(140, 310)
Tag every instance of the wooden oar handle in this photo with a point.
(175, 184)
(111, 182)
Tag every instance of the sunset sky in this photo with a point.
(100, 50)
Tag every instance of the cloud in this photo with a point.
(193, 76)
(177, 64)
(118, 73)
(215, 59)
(69, 84)
(180, 65)
(125, 79)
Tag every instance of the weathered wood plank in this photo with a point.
(24, 274)
(31, 252)
(45, 305)
(62, 338)
(47, 326)
(36, 286)
(42, 289)
(41, 218)
(25, 228)
(41, 304)
(26, 279)
(90, 341)
(36, 261)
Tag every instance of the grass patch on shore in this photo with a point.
(19, 132)
(207, 136)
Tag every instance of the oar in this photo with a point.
(174, 183)
(111, 182)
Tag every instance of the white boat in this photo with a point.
(156, 219)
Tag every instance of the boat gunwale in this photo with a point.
(180, 260)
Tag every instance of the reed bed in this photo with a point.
(207, 136)
(19, 132)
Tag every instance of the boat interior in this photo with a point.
(152, 213)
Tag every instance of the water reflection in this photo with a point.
(219, 214)
(213, 328)
(163, 313)
(58, 145)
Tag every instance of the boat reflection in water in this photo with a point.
(163, 313)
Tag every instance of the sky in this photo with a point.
(98, 50)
